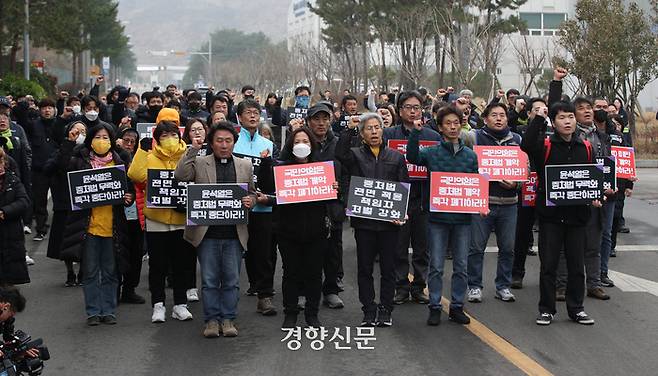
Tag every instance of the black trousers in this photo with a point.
(130, 279)
(168, 248)
(260, 259)
(369, 244)
(41, 183)
(302, 273)
(333, 260)
(414, 231)
(552, 239)
(523, 239)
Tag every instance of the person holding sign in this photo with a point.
(220, 246)
(560, 227)
(164, 227)
(415, 230)
(101, 230)
(446, 228)
(373, 238)
(302, 230)
(503, 197)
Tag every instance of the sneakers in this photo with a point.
(159, 311)
(582, 318)
(369, 319)
(29, 260)
(517, 283)
(211, 329)
(475, 295)
(289, 321)
(605, 281)
(229, 329)
(457, 315)
(624, 230)
(39, 237)
(93, 321)
(435, 317)
(561, 294)
(109, 320)
(333, 301)
(79, 280)
(532, 252)
(384, 318)
(131, 297)
(544, 319)
(181, 313)
(70, 279)
(420, 297)
(265, 307)
(192, 295)
(505, 295)
(613, 253)
(301, 302)
(401, 296)
(597, 293)
(26, 230)
(251, 292)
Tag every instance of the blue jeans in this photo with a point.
(220, 261)
(101, 280)
(502, 219)
(606, 234)
(440, 235)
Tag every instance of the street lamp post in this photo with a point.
(26, 42)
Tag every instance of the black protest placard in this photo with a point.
(255, 162)
(568, 185)
(380, 200)
(163, 191)
(145, 130)
(216, 204)
(97, 187)
(296, 113)
(609, 172)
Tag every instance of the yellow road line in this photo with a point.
(515, 356)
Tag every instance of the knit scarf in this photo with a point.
(498, 134)
(98, 162)
(7, 134)
(587, 128)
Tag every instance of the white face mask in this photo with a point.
(301, 150)
(77, 109)
(91, 115)
(80, 139)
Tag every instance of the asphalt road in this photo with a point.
(623, 340)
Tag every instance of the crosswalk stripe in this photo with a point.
(629, 283)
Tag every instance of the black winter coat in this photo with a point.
(13, 203)
(76, 157)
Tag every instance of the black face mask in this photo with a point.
(155, 109)
(600, 116)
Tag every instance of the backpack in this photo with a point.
(547, 149)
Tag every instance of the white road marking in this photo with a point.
(629, 283)
(620, 248)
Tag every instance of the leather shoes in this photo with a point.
(131, 297)
(597, 293)
(420, 297)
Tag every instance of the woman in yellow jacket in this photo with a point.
(164, 227)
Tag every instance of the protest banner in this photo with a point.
(97, 187)
(453, 192)
(609, 172)
(529, 191)
(624, 162)
(163, 190)
(296, 113)
(568, 185)
(216, 204)
(145, 130)
(508, 163)
(380, 200)
(415, 172)
(304, 182)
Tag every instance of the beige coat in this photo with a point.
(202, 170)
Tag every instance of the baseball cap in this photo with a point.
(4, 102)
(317, 109)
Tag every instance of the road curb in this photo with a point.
(646, 163)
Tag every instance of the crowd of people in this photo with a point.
(223, 137)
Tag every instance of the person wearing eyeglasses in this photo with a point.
(410, 112)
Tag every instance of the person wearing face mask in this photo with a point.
(149, 114)
(194, 109)
(302, 231)
(99, 233)
(13, 201)
(164, 227)
(62, 205)
(41, 133)
(372, 159)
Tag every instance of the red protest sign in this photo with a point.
(304, 182)
(625, 162)
(529, 190)
(459, 193)
(502, 162)
(415, 172)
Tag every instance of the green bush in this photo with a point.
(16, 86)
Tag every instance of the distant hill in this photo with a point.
(182, 25)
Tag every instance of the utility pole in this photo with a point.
(26, 42)
(210, 70)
